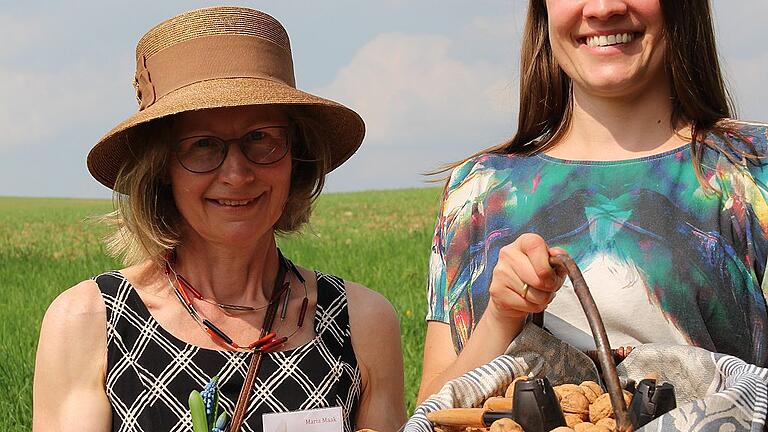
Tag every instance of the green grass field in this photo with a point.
(380, 239)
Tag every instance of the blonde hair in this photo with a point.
(146, 221)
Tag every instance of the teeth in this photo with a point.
(607, 40)
(234, 203)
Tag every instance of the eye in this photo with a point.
(256, 135)
(202, 143)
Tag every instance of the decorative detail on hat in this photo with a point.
(145, 91)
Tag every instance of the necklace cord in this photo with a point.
(255, 364)
(267, 338)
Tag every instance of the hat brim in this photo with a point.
(343, 129)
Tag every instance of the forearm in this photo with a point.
(489, 340)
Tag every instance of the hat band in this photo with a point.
(210, 57)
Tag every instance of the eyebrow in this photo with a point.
(254, 126)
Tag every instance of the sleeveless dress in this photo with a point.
(150, 373)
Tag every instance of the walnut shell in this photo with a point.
(608, 423)
(591, 390)
(506, 425)
(567, 388)
(602, 407)
(582, 427)
(574, 403)
(573, 419)
(561, 429)
(511, 388)
(589, 427)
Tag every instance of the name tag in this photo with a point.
(316, 420)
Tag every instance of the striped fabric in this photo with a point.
(715, 392)
(150, 373)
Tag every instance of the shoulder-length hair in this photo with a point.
(699, 95)
(146, 222)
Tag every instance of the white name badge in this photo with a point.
(316, 420)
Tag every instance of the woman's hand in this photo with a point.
(523, 282)
(524, 261)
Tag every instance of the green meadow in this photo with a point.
(380, 239)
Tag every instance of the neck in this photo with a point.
(229, 274)
(615, 128)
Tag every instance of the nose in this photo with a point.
(236, 170)
(604, 9)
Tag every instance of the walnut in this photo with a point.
(498, 404)
(567, 388)
(608, 423)
(562, 429)
(511, 388)
(573, 419)
(602, 407)
(476, 429)
(506, 425)
(591, 390)
(589, 427)
(575, 403)
(582, 427)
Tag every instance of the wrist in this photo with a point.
(507, 322)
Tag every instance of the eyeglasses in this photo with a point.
(262, 146)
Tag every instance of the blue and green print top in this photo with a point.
(666, 259)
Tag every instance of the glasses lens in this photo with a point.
(266, 145)
(201, 154)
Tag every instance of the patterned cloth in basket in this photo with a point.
(715, 392)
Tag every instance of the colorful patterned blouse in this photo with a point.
(666, 259)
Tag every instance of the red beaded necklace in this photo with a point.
(185, 292)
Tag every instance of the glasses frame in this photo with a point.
(240, 142)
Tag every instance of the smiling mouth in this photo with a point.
(608, 40)
(234, 203)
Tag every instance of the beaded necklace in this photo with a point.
(185, 292)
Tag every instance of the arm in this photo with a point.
(68, 391)
(526, 260)
(376, 340)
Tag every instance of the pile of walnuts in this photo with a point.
(586, 407)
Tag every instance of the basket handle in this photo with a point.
(601, 339)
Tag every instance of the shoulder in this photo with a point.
(741, 136)
(82, 302)
(74, 326)
(482, 165)
(369, 309)
(481, 175)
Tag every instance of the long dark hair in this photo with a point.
(699, 94)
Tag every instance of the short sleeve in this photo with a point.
(436, 295)
(455, 198)
(746, 188)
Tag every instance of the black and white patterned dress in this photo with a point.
(150, 373)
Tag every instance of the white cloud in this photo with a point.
(408, 87)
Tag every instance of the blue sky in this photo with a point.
(435, 80)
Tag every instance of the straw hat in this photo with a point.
(218, 57)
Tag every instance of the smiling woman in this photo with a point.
(224, 154)
(626, 157)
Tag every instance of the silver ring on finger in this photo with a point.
(524, 294)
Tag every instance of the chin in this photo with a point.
(611, 86)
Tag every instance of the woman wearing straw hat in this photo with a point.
(223, 153)
(626, 157)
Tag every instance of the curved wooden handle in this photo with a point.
(604, 354)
